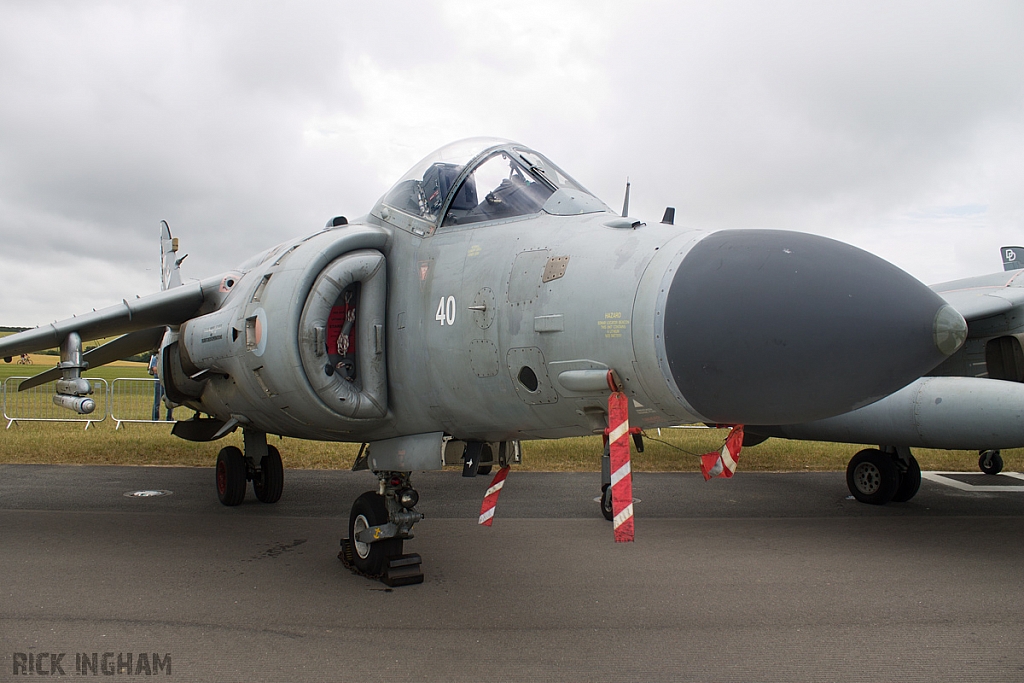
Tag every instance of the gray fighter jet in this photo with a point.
(488, 298)
(974, 400)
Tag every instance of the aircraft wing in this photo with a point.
(983, 296)
(169, 307)
(126, 345)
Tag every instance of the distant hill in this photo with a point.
(12, 329)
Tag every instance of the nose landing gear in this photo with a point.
(378, 525)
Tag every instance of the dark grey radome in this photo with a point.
(762, 326)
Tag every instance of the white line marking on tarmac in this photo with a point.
(942, 478)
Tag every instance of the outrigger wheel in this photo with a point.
(990, 462)
(231, 476)
(606, 502)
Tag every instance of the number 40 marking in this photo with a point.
(446, 311)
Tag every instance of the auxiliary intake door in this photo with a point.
(341, 335)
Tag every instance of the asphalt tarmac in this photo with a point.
(764, 577)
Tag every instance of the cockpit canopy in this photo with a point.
(482, 179)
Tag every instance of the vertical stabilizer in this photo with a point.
(170, 276)
(1013, 257)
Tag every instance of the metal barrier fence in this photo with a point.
(125, 399)
(131, 399)
(36, 404)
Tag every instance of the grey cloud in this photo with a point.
(866, 122)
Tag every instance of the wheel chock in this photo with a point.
(346, 552)
(403, 570)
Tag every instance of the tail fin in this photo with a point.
(1013, 257)
(170, 276)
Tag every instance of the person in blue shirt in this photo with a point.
(158, 391)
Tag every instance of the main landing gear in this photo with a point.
(878, 476)
(378, 525)
(261, 464)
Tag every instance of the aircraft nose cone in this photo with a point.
(775, 327)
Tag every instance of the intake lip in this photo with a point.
(775, 327)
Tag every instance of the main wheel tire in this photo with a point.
(872, 477)
(230, 476)
(484, 469)
(368, 511)
(990, 462)
(910, 482)
(269, 482)
(606, 502)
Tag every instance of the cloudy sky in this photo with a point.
(895, 126)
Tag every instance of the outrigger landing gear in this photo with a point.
(878, 476)
(235, 469)
(990, 462)
(378, 525)
(606, 475)
(606, 483)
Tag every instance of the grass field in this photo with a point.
(152, 444)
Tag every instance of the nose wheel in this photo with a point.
(378, 525)
(370, 514)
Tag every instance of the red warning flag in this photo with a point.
(622, 477)
(491, 497)
(723, 463)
